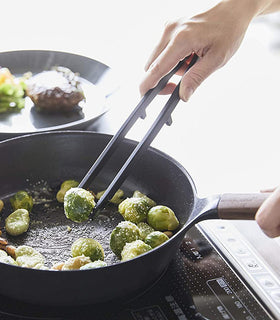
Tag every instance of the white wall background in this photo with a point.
(227, 135)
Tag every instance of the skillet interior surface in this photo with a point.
(40, 163)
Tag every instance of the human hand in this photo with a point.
(268, 215)
(214, 36)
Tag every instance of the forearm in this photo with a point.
(268, 6)
(255, 7)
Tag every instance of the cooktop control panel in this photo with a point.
(246, 259)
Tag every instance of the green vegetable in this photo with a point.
(12, 92)
(1, 205)
(65, 186)
(78, 204)
(117, 197)
(89, 248)
(17, 222)
(162, 218)
(28, 257)
(124, 232)
(76, 263)
(138, 194)
(3, 253)
(22, 200)
(145, 229)
(134, 209)
(134, 249)
(94, 265)
(4, 258)
(156, 238)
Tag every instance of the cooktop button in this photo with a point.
(221, 227)
(275, 295)
(252, 264)
(241, 251)
(267, 282)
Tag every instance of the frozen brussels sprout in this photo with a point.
(89, 248)
(156, 238)
(162, 218)
(134, 209)
(124, 232)
(65, 186)
(134, 249)
(1, 205)
(4, 258)
(76, 263)
(94, 265)
(145, 229)
(138, 194)
(28, 257)
(78, 204)
(17, 222)
(117, 197)
(22, 200)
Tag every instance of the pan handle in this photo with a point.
(240, 206)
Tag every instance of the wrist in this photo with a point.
(253, 8)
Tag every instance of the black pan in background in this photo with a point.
(97, 82)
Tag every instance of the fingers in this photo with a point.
(169, 88)
(268, 215)
(165, 38)
(197, 74)
(165, 62)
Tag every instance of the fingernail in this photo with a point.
(186, 93)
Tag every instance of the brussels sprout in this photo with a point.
(94, 265)
(134, 209)
(138, 194)
(22, 200)
(78, 204)
(76, 263)
(4, 258)
(65, 186)
(58, 266)
(124, 232)
(17, 222)
(3, 253)
(145, 229)
(134, 249)
(168, 233)
(41, 267)
(28, 257)
(162, 218)
(89, 248)
(117, 197)
(156, 238)
(1, 205)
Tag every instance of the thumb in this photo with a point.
(196, 75)
(268, 215)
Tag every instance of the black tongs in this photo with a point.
(138, 112)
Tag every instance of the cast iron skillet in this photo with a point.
(53, 157)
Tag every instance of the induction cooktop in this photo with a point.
(200, 283)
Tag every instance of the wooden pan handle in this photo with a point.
(240, 206)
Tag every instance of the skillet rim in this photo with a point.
(131, 141)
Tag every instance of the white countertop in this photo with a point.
(226, 136)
